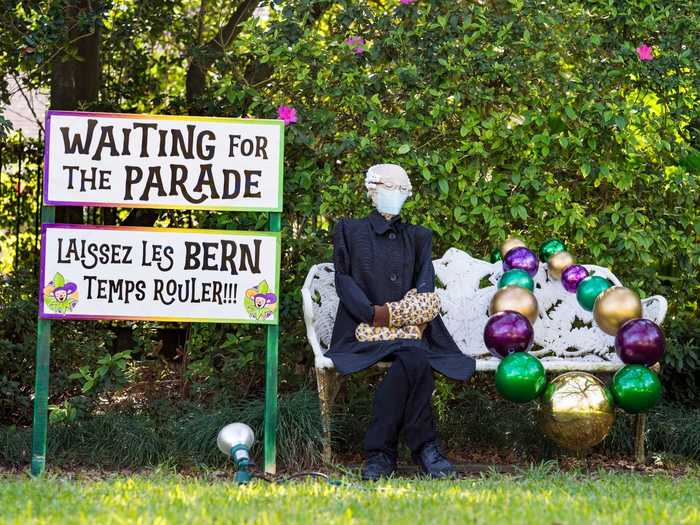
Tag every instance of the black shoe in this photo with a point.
(377, 466)
(433, 463)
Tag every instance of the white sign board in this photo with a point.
(160, 274)
(160, 161)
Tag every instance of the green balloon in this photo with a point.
(636, 388)
(520, 377)
(496, 255)
(549, 248)
(517, 277)
(589, 289)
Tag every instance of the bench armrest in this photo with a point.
(321, 361)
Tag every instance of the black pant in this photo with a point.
(403, 402)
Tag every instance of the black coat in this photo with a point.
(377, 261)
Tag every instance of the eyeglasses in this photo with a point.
(393, 186)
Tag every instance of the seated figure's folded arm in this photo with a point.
(349, 292)
(414, 309)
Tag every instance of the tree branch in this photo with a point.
(30, 105)
(195, 82)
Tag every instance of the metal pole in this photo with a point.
(41, 381)
(271, 360)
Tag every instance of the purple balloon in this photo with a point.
(521, 258)
(572, 275)
(508, 332)
(640, 342)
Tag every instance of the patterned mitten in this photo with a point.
(414, 309)
(366, 332)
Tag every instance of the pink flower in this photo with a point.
(644, 53)
(407, 2)
(287, 113)
(356, 43)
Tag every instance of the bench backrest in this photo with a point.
(566, 338)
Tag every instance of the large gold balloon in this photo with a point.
(558, 262)
(614, 307)
(517, 299)
(510, 243)
(576, 411)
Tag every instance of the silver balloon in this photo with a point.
(235, 434)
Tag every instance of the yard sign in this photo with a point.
(162, 274)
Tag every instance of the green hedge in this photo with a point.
(523, 117)
(185, 435)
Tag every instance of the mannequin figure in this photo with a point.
(380, 259)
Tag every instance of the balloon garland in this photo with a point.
(617, 310)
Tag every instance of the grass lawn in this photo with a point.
(538, 496)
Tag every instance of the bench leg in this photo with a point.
(640, 421)
(328, 386)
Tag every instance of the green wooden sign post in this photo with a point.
(41, 378)
(271, 361)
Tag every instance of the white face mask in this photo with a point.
(390, 201)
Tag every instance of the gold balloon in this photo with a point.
(517, 299)
(558, 262)
(614, 307)
(576, 411)
(510, 243)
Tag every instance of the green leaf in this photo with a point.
(263, 287)
(692, 162)
(58, 280)
(518, 212)
(405, 148)
(444, 186)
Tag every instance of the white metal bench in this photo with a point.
(566, 338)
